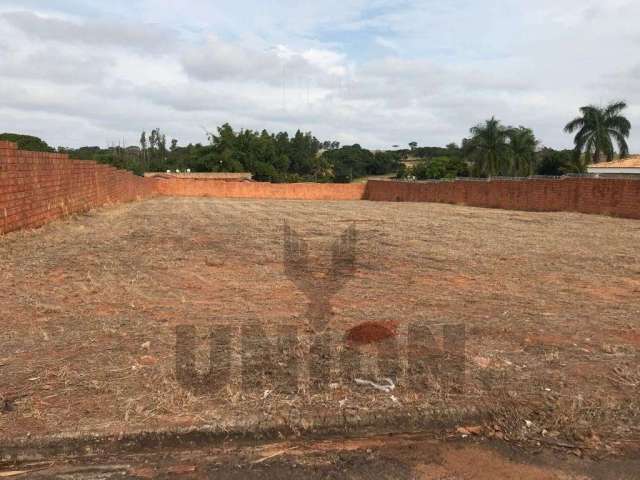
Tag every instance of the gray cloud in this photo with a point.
(84, 78)
(55, 66)
(192, 98)
(218, 60)
(129, 35)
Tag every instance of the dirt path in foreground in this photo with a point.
(387, 457)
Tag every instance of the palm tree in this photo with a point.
(576, 164)
(597, 129)
(489, 148)
(523, 145)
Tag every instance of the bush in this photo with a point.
(556, 162)
(27, 142)
(440, 167)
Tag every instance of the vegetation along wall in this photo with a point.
(615, 197)
(286, 191)
(36, 187)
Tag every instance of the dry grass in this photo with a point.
(550, 303)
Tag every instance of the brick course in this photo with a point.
(260, 190)
(37, 187)
(614, 197)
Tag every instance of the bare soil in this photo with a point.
(549, 302)
(402, 457)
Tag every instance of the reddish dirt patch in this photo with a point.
(370, 332)
(630, 337)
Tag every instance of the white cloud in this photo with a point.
(219, 60)
(379, 73)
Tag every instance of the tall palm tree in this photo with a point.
(597, 129)
(523, 145)
(489, 148)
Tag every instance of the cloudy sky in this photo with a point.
(376, 72)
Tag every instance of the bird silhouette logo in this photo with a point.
(319, 285)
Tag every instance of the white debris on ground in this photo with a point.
(383, 388)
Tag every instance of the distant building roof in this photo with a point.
(227, 176)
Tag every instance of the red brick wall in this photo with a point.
(37, 187)
(263, 190)
(615, 197)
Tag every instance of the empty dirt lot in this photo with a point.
(549, 304)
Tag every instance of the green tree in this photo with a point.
(143, 151)
(382, 163)
(27, 142)
(302, 150)
(440, 167)
(435, 168)
(489, 149)
(558, 162)
(522, 143)
(403, 171)
(597, 129)
(553, 162)
(349, 162)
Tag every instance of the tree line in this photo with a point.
(269, 157)
(492, 149)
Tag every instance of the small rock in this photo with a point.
(471, 430)
(482, 362)
(475, 430)
(609, 349)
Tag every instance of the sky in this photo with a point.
(373, 72)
